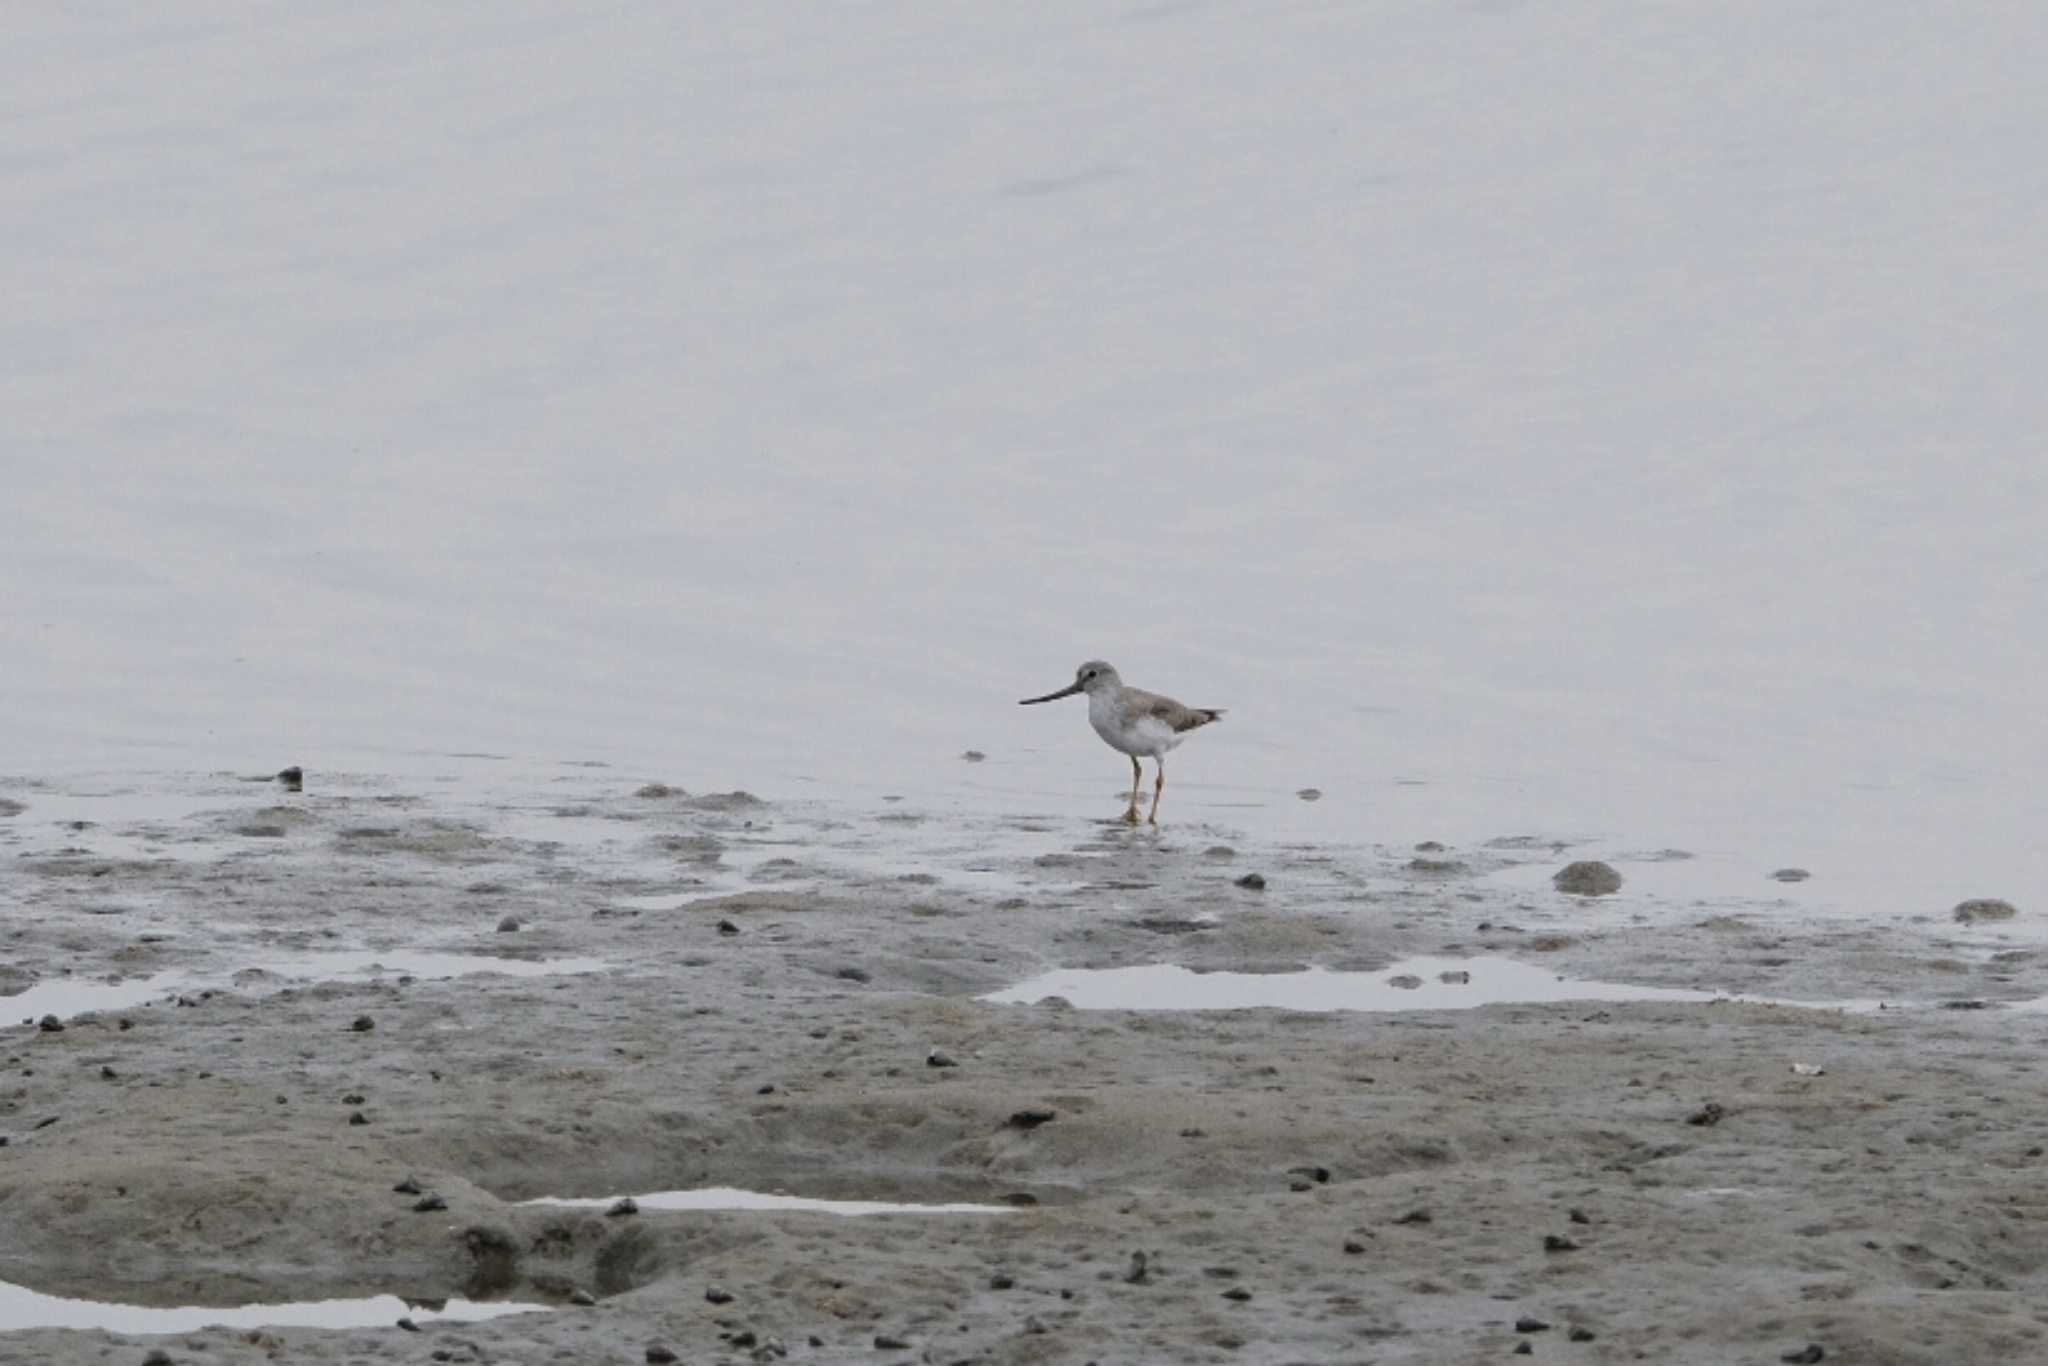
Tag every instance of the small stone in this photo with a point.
(1581, 1334)
(1238, 1293)
(1557, 1242)
(1455, 978)
(657, 790)
(427, 1204)
(157, 1357)
(727, 927)
(1707, 1115)
(1000, 1281)
(408, 1325)
(1529, 1324)
(766, 1088)
(127, 1025)
(293, 778)
(1405, 981)
(816, 1341)
(717, 1294)
(1980, 908)
(887, 1342)
(353, 1098)
(1579, 1216)
(1310, 794)
(1219, 851)
(658, 1355)
(582, 1299)
(1319, 1175)
(973, 756)
(108, 1073)
(939, 1058)
(623, 1206)
(1353, 1246)
(509, 925)
(1020, 1199)
(1791, 875)
(1415, 1216)
(1252, 882)
(1806, 1355)
(50, 1024)
(409, 1186)
(363, 1024)
(1587, 877)
(1031, 1119)
(853, 975)
(1140, 1270)
(1523, 1349)
(743, 1338)
(1430, 847)
(358, 1118)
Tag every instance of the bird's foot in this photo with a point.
(1131, 816)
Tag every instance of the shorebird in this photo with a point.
(1134, 722)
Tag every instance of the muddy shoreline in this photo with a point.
(1650, 1180)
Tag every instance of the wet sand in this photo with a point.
(1648, 1180)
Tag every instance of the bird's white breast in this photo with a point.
(1146, 735)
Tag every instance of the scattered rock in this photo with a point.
(1707, 1115)
(1530, 1324)
(1140, 1269)
(1020, 1199)
(1406, 981)
(623, 1206)
(358, 1118)
(1587, 877)
(50, 1024)
(887, 1342)
(1252, 882)
(408, 1325)
(999, 1281)
(727, 927)
(1523, 1349)
(938, 1057)
(1415, 1216)
(1319, 1175)
(658, 1355)
(973, 756)
(717, 1294)
(1791, 875)
(1981, 908)
(157, 1357)
(427, 1204)
(108, 1073)
(655, 791)
(582, 1299)
(1354, 1246)
(1557, 1242)
(1806, 1355)
(1310, 794)
(1971, 1003)
(509, 925)
(853, 975)
(363, 1024)
(293, 778)
(1219, 851)
(766, 1088)
(1579, 1216)
(1238, 1293)
(410, 1186)
(1581, 1333)
(1435, 867)
(1031, 1119)
(1457, 978)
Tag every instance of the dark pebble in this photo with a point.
(1707, 1115)
(1557, 1242)
(408, 1325)
(1415, 1216)
(1253, 882)
(853, 975)
(939, 1058)
(427, 1204)
(885, 1342)
(1529, 1324)
(816, 1341)
(1001, 1282)
(727, 927)
(509, 925)
(1587, 877)
(658, 1355)
(1523, 1349)
(1806, 1355)
(765, 1089)
(1310, 794)
(127, 1025)
(1581, 1335)
(358, 1117)
(744, 1338)
(1791, 875)
(717, 1294)
(409, 1186)
(108, 1073)
(582, 1299)
(1319, 1175)
(363, 1024)
(1238, 1293)
(973, 756)
(1353, 1246)
(1141, 1269)
(623, 1206)
(50, 1024)
(1031, 1119)
(1021, 1199)
(1579, 1216)
(157, 1357)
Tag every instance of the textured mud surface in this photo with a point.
(721, 991)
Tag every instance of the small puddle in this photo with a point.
(1414, 984)
(22, 1308)
(68, 996)
(731, 1198)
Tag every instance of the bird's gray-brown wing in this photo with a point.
(1140, 703)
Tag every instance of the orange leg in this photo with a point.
(1137, 777)
(1158, 789)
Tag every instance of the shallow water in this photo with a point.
(732, 1198)
(22, 1308)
